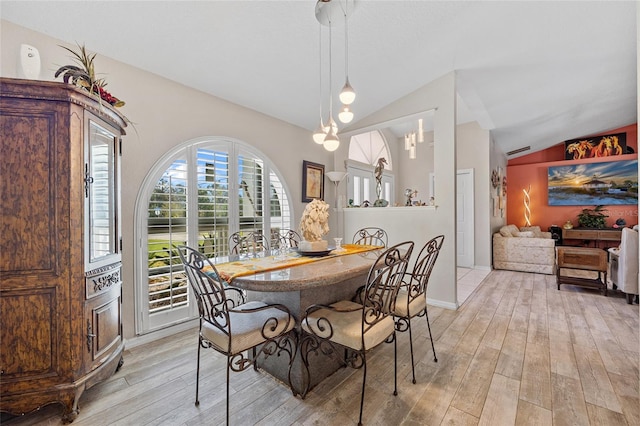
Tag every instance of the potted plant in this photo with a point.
(593, 218)
(83, 75)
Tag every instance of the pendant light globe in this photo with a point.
(331, 142)
(345, 115)
(347, 95)
(320, 133)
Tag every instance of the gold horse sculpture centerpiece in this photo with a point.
(314, 225)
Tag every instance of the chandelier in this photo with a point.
(330, 13)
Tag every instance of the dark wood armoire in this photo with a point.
(60, 244)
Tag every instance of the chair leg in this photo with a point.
(228, 361)
(198, 372)
(426, 315)
(255, 360)
(364, 382)
(413, 368)
(395, 362)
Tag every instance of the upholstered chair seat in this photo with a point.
(248, 329)
(407, 309)
(346, 322)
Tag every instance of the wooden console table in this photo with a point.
(595, 235)
(585, 259)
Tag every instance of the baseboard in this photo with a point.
(443, 304)
(161, 333)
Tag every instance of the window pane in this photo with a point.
(250, 193)
(102, 240)
(166, 231)
(356, 190)
(213, 202)
(279, 205)
(366, 190)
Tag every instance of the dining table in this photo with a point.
(297, 281)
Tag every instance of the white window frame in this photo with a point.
(144, 322)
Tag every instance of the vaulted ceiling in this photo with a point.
(534, 73)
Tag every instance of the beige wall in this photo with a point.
(473, 152)
(166, 114)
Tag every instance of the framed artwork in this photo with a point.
(312, 181)
(608, 183)
(599, 146)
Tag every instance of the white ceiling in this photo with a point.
(534, 73)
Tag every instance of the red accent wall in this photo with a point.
(532, 170)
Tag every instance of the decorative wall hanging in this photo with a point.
(608, 183)
(495, 178)
(312, 181)
(599, 146)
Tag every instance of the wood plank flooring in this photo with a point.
(518, 352)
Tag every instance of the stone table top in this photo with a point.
(309, 275)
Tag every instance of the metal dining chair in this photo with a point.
(248, 243)
(232, 328)
(371, 236)
(346, 330)
(411, 300)
(284, 238)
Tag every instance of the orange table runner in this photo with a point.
(230, 270)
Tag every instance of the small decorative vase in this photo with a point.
(568, 225)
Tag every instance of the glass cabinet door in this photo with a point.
(101, 195)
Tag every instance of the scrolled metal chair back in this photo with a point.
(286, 238)
(250, 243)
(210, 291)
(419, 277)
(371, 236)
(383, 283)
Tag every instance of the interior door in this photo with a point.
(465, 224)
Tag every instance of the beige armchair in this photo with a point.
(527, 249)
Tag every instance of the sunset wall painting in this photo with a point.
(607, 183)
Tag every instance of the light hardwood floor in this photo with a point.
(518, 352)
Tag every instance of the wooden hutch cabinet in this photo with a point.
(60, 244)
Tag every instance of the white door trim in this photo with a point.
(469, 226)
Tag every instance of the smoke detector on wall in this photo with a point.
(29, 62)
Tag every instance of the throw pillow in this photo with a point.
(525, 234)
(537, 233)
(504, 231)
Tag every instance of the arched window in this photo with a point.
(198, 195)
(364, 151)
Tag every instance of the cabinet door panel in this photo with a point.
(28, 334)
(103, 316)
(26, 187)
